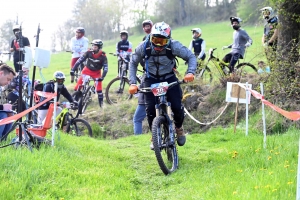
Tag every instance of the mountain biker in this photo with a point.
(241, 40)
(123, 48)
(270, 28)
(13, 96)
(6, 75)
(59, 78)
(140, 111)
(198, 44)
(159, 68)
(79, 45)
(96, 61)
(15, 47)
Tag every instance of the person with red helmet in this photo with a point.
(159, 68)
(96, 61)
(79, 45)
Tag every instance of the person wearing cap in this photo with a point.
(79, 45)
(241, 40)
(18, 55)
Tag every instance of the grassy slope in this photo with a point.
(215, 165)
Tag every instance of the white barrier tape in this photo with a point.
(193, 118)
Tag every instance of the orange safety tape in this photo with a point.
(292, 115)
(13, 118)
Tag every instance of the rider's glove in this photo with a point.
(75, 103)
(99, 79)
(248, 44)
(7, 107)
(133, 88)
(72, 73)
(189, 77)
(224, 47)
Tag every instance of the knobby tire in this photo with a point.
(166, 155)
(80, 128)
(110, 91)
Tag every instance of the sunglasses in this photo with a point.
(159, 41)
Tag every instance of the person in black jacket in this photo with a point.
(59, 77)
(16, 47)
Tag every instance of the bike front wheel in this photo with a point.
(165, 150)
(79, 127)
(117, 90)
(244, 70)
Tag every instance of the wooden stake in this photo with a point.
(236, 108)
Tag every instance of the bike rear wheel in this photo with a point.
(165, 152)
(79, 127)
(117, 90)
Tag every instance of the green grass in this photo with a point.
(215, 165)
(219, 164)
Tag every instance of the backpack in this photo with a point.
(147, 49)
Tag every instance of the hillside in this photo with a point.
(215, 163)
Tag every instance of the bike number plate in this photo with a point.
(159, 89)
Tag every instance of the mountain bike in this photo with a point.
(117, 89)
(72, 125)
(163, 128)
(77, 73)
(241, 70)
(84, 94)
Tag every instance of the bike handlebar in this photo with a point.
(149, 89)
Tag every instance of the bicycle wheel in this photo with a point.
(79, 127)
(244, 70)
(165, 152)
(117, 90)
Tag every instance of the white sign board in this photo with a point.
(232, 92)
(27, 57)
(42, 57)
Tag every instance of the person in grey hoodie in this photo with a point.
(159, 54)
(241, 40)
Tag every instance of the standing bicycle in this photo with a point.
(116, 89)
(96, 61)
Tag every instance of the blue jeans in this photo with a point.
(4, 128)
(139, 116)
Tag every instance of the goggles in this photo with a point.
(266, 12)
(60, 81)
(159, 41)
